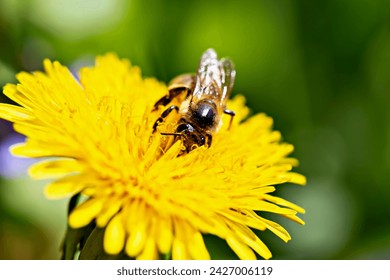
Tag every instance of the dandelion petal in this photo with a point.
(85, 213)
(114, 236)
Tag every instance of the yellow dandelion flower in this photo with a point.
(96, 136)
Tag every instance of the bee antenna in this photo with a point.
(169, 133)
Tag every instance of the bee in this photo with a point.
(206, 94)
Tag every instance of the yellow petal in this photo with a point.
(196, 246)
(149, 251)
(111, 207)
(137, 221)
(30, 150)
(295, 218)
(283, 202)
(277, 229)
(179, 250)
(54, 168)
(12, 92)
(297, 178)
(114, 236)
(14, 113)
(66, 187)
(259, 247)
(179, 246)
(136, 241)
(245, 235)
(258, 205)
(83, 214)
(164, 234)
(241, 249)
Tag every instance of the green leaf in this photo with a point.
(93, 249)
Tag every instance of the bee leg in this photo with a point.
(165, 100)
(176, 134)
(208, 141)
(164, 115)
(231, 114)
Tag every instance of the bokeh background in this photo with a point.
(321, 69)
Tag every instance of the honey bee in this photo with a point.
(205, 100)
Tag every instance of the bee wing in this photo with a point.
(214, 77)
(228, 75)
(208, 68)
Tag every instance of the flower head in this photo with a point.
(96, 136)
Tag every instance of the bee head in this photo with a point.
(190, 137)
(204, 114)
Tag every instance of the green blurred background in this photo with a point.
(321, 69)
